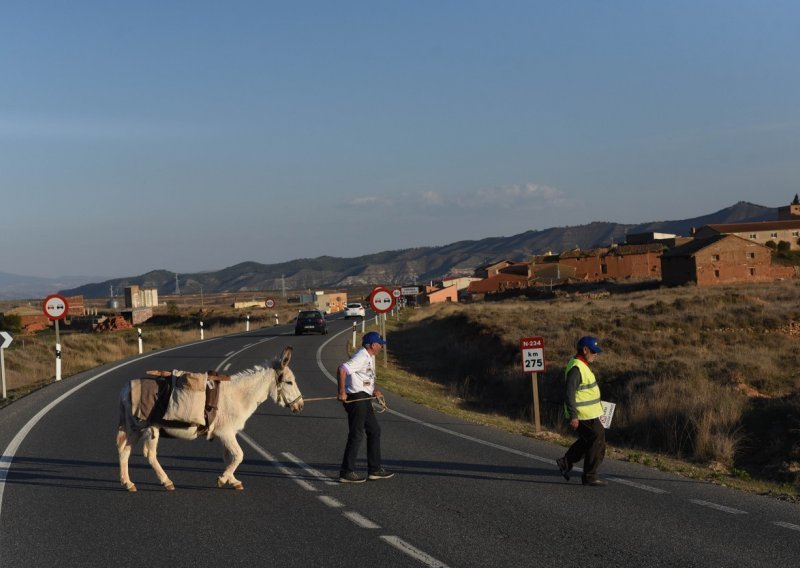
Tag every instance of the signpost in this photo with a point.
(532, 349)
(5, 341)
(382, 300)
(56, 307)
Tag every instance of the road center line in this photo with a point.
(360, 520)
(330, 501)
(270, 458)
(319, 475)
(413, 552)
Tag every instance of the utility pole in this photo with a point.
(283, 286)
(177, 288)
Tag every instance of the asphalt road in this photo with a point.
(464, 494)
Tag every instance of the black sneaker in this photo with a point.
(380, 474)
(563, 467)
(350, 477)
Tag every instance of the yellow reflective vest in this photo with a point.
(587, 395)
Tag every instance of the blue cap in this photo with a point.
(590, 342)
(372, 337)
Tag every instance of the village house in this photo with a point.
(720, 259)
(786, 228)
(617, 262)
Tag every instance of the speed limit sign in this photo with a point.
(270, 303)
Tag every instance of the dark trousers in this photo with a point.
(361, 419)
(590, 445)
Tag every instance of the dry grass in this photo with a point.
(686, 367)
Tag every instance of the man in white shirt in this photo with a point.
(356, 390)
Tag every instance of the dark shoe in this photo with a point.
(595, 482)
(380, 474)
(564, 467)
(350, 477)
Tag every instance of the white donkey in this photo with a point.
(238, 399)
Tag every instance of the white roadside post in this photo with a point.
(5, 341)
(247, 326)
(533, 362)
(363, 324)
(56, 307)
(354, 335)
(58, 357)
(139, 333)
(276, 319)
(202, 335)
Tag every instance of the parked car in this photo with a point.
(310, 320)
(355, 310)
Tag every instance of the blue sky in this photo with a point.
(194, 135)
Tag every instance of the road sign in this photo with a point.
(5, 339)
(381, 300)
(532, 354)
(409, 290)
(396, 293)
(270, 303)
(608, 413)
(55, 307)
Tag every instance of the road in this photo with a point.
(464, 495)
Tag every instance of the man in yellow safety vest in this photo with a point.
(583, 409)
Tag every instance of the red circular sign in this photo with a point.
(381, 300)
(55, 307)
(270, 303)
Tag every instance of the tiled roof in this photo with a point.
(690, 248)
(755, 226)
(494, 283)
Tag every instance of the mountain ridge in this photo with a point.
(402, 266)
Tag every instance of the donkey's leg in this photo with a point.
(125, 443)
(233, 457)
(150, 452)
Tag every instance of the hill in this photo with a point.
(415, 264)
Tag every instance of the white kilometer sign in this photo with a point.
(532, 354)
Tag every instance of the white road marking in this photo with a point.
(722, 508)
(319, 475)
(229, 353)
(284, 470)
(413, 552)
(637, 485)
(787, 525)
(330, 501)
(360, 520)
(226, 367)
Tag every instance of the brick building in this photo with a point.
(617, 262)
(720, 259)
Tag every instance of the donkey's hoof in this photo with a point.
(130, 487)
(169, 486)
(238, 486)
(220, 483)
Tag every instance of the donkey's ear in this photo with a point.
(287, 356)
